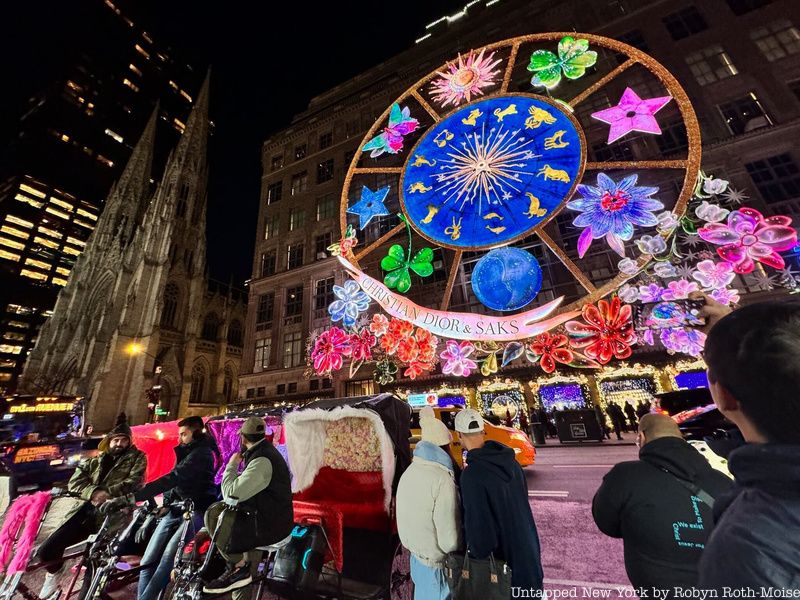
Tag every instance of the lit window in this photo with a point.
(179, 125)
(57, 213)
(18, 221)
(744, 114)
(135, 69)
(105, 161)
(130, 84)
(59, 281)
(70, 250)
(38, 263)
(15, 232)
(711, 64)
(84, 213)
(173, 85)
(74, 86)
(20, 324)
(30, 190)
(20, 310)
(297, 218)
(777, 39)
(9, 349)
(33, 275)
(61, 203)
(326, 207)
(76, 241)
(14, 336)
(31, 201)
(62, 271)
(271, 227)
(186, 96)
(142, 51)
(9, 255)
(45, 242)
(12, 243)
(115, 135)
(51, 232)
(147, 37)
(84, 224)
(64, 137)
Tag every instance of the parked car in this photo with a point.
(514, 438)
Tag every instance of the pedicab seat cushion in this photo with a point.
(358, 495)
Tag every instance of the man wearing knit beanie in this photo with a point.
(428, 519)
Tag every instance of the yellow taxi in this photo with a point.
(514, 438)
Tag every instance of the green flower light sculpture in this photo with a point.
(399, 263)
(574, 57)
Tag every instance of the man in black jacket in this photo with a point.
(264, 486)
(660, 506)
(192, 478)
(497, 514)
(754, 378)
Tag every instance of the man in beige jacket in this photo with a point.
(428, 518)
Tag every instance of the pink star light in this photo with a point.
(631, 114)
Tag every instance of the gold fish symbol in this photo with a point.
(432, 210)
(538, 116)
(473, 115)
(555, 141)
(442, 138)
(492, 215)
(552, 174)
(454, 231)
(533, 209)
(418, 187)
(511, 109)
(496, 230)
(420, 160)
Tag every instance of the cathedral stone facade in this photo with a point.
(139, 327)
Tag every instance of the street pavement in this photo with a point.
(578, 560)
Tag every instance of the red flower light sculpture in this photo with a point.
(607, 331)
(552, 349)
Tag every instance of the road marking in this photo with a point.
(581, 466)
(548, 493)
(605, 586)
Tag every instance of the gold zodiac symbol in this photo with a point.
(511, 109)
(555, 141)
(418, 187)
(446, 135)
(432, 210)
(420, 160)
(538, 116)
(553, 174)
(492, 215)
(454, 231)
(533, 209)
(474, 114)
(496, 230)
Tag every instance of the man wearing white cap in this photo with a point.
(497, 515)
(427, 509)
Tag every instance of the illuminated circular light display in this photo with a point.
(492, 172)
(507, 279)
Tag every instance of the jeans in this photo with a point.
(74, 530)
(159, 557)
(429, 582)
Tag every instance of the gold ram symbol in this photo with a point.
(538, 116)
(552, 174)
(555, 141)
(432, 210)
(511, 109)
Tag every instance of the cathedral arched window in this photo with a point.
(210, 329)
(198, 391)
(235, 333)
(227, 386)
(170, 309)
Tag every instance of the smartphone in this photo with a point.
(668, 314)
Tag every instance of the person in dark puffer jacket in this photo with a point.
(754, 378)
(649, 503)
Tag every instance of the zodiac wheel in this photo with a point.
(492, 174)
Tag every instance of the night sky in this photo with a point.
(268, 59)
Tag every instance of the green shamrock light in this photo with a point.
(574, 57)
(398, 263)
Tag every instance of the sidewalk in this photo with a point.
(628, 439)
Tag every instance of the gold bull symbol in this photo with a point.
(420, 160)
(432, 210)
(511, 109)
(418, 187)
(538, 116)
(533, 209)
(552, 174)
(473, 115)
(555, 141)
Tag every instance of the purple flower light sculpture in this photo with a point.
(611, 210)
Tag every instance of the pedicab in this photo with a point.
(346, 457)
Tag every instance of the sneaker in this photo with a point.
(51, 589)
(231, 579)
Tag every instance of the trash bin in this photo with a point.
(578, 426)
(538, 434)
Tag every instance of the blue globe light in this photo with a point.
(507, 279)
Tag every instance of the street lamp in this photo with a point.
(154, 392)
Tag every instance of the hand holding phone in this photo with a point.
(669, 314)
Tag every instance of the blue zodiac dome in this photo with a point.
(507, 279)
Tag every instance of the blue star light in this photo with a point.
(370, 205)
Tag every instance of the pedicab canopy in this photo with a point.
(362, 434)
